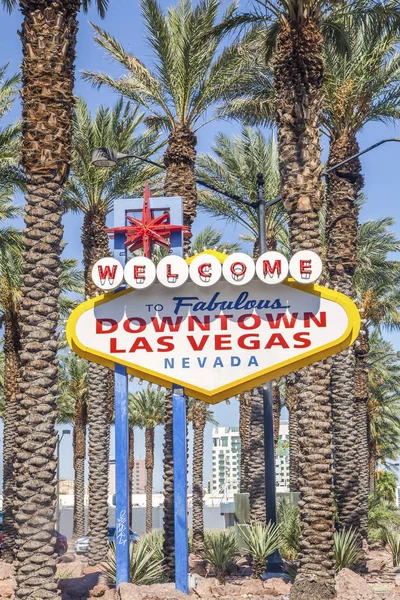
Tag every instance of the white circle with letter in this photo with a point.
(139, 272)
(272, 267)
(172, 271)
(107, 273)
(305, 266)
(238, 268)
(205, 270)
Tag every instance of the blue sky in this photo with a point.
(380, 167)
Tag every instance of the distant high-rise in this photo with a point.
(139, 477)
(226, 460)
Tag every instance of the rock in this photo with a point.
(110, 594)
(277, 585)
(70, 569)
(158, 591)
(6, 570)
(397, 581)
(94, 569)
(350, 586)
(7, 587)
(197, 566)
(99, 590)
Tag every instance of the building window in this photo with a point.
(224, 442)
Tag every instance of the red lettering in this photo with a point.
(203, 272)
(197, 346)
(169, 273)
(267, 268)
(107, 272)
(141, 343)
(256, 321)
(139, 272)
(299, 337)
(204, 326)
(305, 266)
(310, 315)
(141, 325)
(276, 339)
(224, 321)
(275, 324)
(238, 269)
(113, 346)
(221, 342)
(113, 325)
(166, 346)
(252, 344)
(159, 324)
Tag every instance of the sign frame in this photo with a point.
(244, 383)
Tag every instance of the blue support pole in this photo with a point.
(121, 453)
(180, 490)
(121, 474)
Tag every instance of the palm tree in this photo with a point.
(92, 192)
(148, 408)
(362, 88)
(72, 404)
(234, 168)
(189, 78)
(376, 284)
(199, 413)
(386, 486)
(48, 37)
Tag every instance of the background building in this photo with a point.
(282, 458)
(139, 478)
(226, 460)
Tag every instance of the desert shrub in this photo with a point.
(347, 548)
(219, 550)
(392, 538)
(261, 541)
(288, 517)
(145, 560)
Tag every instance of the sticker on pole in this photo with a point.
(216, 337)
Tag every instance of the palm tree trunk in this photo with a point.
(149, 443)
(343, 187)
(276, 407)
(169, 530)
(199, 423)
(131, 470)
(291, 401)
(180, 180)
(363, 427)
(372, 460)
(48, 39)
(244, 430)
(79, 467)
(256, 462)
(11, 347)
(298, 67)
(95, 246)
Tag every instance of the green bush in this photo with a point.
(261, 541)
(288, 517)
(381, 515)
(392, 538)
(145, 559)
(219, 550)
(347, 548)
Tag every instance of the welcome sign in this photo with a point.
(215, 341)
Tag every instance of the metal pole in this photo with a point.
(180, 489)
(122, 540)
(58, 483)
(274, 562)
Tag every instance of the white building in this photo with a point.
(282, 473)
(225, 461)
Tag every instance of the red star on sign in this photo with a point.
(148, 231)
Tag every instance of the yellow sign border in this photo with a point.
(239, 385)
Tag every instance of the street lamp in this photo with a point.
(59, 440)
